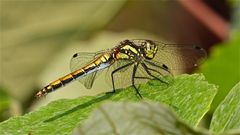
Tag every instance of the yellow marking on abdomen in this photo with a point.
(66, 79)
(76, 74)
(56, 82)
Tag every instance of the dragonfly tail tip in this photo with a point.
(41, 93)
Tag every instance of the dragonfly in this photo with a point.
(129, 63)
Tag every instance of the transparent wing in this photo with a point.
(177, 56)
(79, 60)
(123, 78)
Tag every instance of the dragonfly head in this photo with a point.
(149, 49)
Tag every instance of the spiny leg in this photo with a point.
(133, 81)
(149, 73)
(113, 72)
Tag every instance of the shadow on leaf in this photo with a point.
(81, 106)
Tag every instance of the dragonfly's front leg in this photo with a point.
(163, 66)
(113, 72)
(149, 73)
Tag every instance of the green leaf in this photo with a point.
(227, 114)
(189, 96)
(143, 118)
(222, 68)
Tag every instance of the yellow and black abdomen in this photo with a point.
(99, 63)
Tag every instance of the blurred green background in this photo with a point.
(39, 37)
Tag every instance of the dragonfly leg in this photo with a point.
(139, 77)
(155, 71)
(113, 72)
(149, 73)
(164, 67)
(133, 81)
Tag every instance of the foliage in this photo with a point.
(139, 119)
(222, 67)
(227, 114)
(134, 118)
(189, 96)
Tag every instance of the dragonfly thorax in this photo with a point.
(127, 50)
(131, 50)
